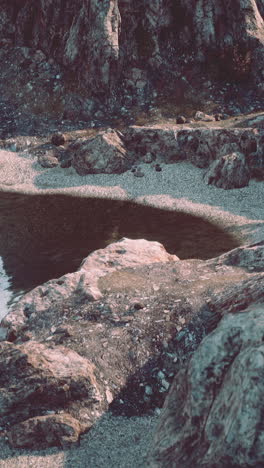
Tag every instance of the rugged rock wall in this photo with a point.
(102, 41)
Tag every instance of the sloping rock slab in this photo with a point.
(45, 431)
(228, 172)
(250, 257)
(213, 415)
(105, 153)
(84, 283)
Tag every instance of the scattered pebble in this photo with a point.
(138, 173)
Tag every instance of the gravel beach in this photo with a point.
(178, 186)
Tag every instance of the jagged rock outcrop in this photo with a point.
(228, 172)
(101, 42)
(213, 414)
(200, 146)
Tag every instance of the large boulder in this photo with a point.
(83, 284)
(104, 153)
(228, 172)
(214, 412)
(45, 431)
(36, 379)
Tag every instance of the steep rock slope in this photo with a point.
(103, 42)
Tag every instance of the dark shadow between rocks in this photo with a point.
(44, 237)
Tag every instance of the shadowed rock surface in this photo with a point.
(228, 172)
(35, 378)
(47, 431)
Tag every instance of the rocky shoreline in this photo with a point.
(114, 334)
(157, 104)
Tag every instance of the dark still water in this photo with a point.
(44, 237)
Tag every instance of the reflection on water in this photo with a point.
(5, 293)
(46, 236)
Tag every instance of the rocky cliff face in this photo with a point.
(140, 46)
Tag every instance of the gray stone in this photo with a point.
(203, 117)
(228, 172)
(213, 414)
(48, 160)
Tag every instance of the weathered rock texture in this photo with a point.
(200, 146)
(213, 415)
(122, 348)
(104, 153)
(99, 42)
(83, 284)
(228, 172)
(45, 431)
(35, 379)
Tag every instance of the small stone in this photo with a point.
(58, 139)
(165, 384)
(138, 306)
(218, 117)
(148, 390)
(158, 168)
(160, 375)
(47, 160)
(203, 117)
(181, 119)
(148, 158)
(65, 163)
(138, 173)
